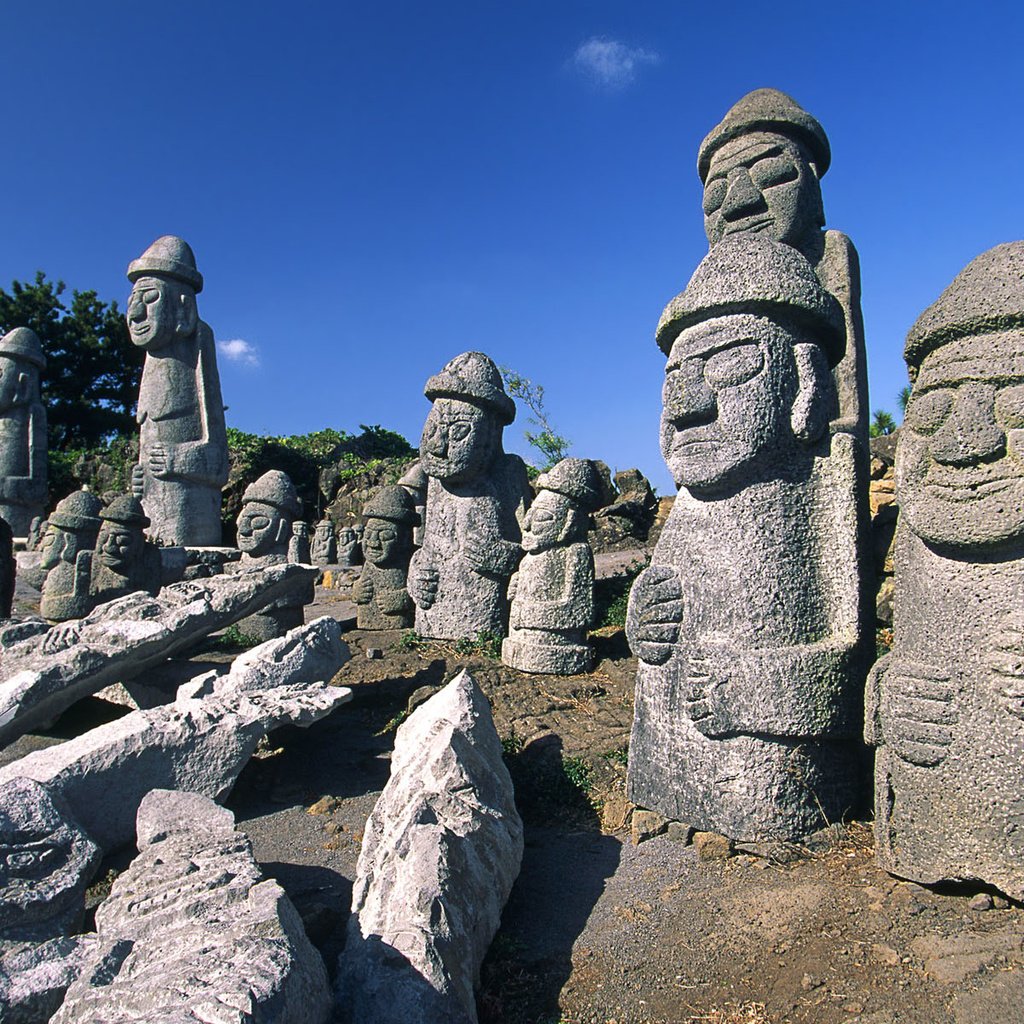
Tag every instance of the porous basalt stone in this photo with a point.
(945, 709)
(476, 498)
(124, 561)
(299, 546)
(43, 671)
(23, 443)
(441, 851)
(382, 601)
(414, 483)
(552, 592)
(201, 741)
(324, 545)
(66, 552)
(183, 447)
(750, 623)
(347, 550)
(8, 569)
(201, 935)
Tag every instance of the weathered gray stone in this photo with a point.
(66, 552)
(35, 976)
(324, 546)
(8, 569)
(761, 169)
(36, 529)
(414, 483)
(200, 742)
(44, 671)
(298, 546)
(441, 851)
(552, 592)
(124, 561)
(749, 624)
(46, 862)
(476, 498)
(348, 552)
(183, 448)
(945, 708)
(23, 442)
(380, 592)
(202, 937)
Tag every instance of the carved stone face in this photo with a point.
(14, 388)
(460, 440)
(762, 182)
(57, 546)
(546, 521)
(119, 546)
(728, 393)
(154, 308)
(260, 529)
(383, 541)
(960, 459)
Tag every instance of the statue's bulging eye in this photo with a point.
(459, 431)
(777, 170)
(1010, 407)
(733, 366)
(928, 411)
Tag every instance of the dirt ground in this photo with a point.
(599, 929)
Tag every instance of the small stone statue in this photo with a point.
(414, 482)
(348, 553)
(23, 441)
(66, 557)
(380, 594)
(8, 569)
(761, 169)
(476, 497)
(36, 529)
(552, 592)
(124, 561)
(749, 624)
(324, 546)
(945, 709)
(183, 449)
(270, 507)
(298, 547)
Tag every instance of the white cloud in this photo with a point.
(609, 63)
(239, 351)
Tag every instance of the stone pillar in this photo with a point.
(380, 592)
(183, 449)
(945, 709)
(23, 442)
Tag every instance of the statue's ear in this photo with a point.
(814, 404)
(22, 389)
(188, 314)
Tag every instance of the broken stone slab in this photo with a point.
(441, 851)
(201, 935)
(45, 673)
(198, 743)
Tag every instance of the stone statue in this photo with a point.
(124, 561)
(66, 557)
(23, 440)
(380, 594)
(414, 482)
(476, 497)
(552, 592)
(749, 624)
(761, 169)
(298, 547)
(8, 569)
(183, 449)
(270, 507)
(324, 547)
(36, 529)
(348, 553)
(945, 708)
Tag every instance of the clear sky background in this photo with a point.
(371, 188)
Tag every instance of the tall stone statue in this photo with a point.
(183, 449)
(124, 562)
(66, 557)
(761, 169)
(749, 624)
(23, 441)
(475, 499)
(324, 547)
(270, 508)
(945, 708)
(552, 592)
(380, 592)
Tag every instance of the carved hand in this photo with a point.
(655, 612)
(423, 581)
(159, 460)
(362, 591)
(487, 553)
(138, 479)
(704, 696)
(1005, 660)
(918, 712)
(61, 637)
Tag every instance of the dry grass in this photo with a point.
(733, 1013)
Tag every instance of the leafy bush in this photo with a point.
(611, 596)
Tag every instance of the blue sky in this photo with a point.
(373, 188)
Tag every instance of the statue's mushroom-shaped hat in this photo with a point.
(473, 377)
(575, 478)
(755, 274)
(168, 256)
(127, 510)
(985, 297)
(767, 110)
(391, 503)
(78, 511)
(23, 344)
(414, 478)
(276, 489)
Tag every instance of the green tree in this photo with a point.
(903, 398)
(552, 446)
(91, 382)
(881, 423)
